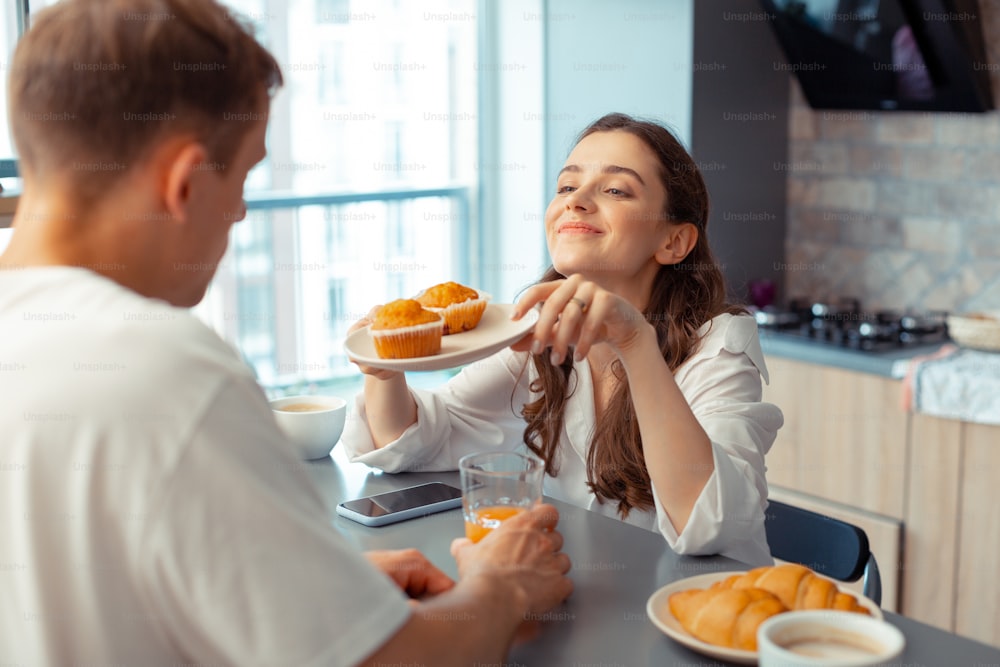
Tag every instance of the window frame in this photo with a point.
(8, 165)
(493, 208)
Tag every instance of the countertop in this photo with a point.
(889, 364)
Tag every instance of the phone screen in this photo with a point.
(404, 499)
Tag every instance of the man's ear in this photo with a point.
(681, 239)
(181, 168)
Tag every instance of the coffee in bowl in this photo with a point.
(833, 644)
(824, 637)
(302, 407)
(313, 424)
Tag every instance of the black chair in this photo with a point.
(829, 546)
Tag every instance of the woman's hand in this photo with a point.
(379, 373)
(578, 313)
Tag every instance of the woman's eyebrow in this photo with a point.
(610, 169)
(615, 169)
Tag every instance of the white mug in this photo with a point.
(828, 638)
(313, 424)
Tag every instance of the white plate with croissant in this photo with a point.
(718, 613)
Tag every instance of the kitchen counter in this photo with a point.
(852, 445)
(888, 364)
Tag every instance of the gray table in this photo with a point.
(616, 567)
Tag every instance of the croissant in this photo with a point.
(796, 586)
(725, 617)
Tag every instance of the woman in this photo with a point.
(640, 386)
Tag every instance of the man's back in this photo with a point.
(132, 436)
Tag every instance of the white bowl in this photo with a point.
(313, 425)
(825, 637)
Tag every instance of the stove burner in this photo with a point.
(917, 325)
(842, 323)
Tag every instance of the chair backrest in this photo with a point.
(829, 546)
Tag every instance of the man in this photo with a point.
(150, 514)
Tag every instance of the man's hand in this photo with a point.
(525, 553)
(412, 572)
(508, 579)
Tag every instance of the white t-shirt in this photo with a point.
(150, 513)
(480, 409)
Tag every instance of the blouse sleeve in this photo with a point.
(477, 410)
(722, 384)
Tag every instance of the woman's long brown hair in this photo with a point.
(684, 297)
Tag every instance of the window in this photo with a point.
(10, 25)
(10, 28)
(377, 182)
(333, 11)
(366, 192)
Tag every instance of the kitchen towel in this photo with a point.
(955, 383)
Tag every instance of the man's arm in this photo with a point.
(516, 571)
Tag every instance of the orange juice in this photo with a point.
(488, 518)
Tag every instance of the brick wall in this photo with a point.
(897, 209)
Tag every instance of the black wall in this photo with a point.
(739, 137)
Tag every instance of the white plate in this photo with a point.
(495, 331)
(658, 610)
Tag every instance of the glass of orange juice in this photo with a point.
(496, 486)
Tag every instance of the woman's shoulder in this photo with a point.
(733, 333)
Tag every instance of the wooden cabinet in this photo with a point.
(951, 574)
(932, 521)
(855, 454)
(844, 437)
(977, 612)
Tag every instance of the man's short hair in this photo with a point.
(95, 84)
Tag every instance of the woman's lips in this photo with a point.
(577, 228)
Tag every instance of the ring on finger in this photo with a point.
(580, 302)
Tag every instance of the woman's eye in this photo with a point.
(617, 193)
(563, 189)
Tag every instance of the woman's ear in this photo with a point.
(181, 168)
(681, 239)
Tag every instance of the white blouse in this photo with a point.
(479, 409)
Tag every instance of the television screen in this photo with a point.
(884, 54)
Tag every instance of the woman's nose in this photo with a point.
(579, 199)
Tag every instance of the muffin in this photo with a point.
(462, 307)
(403, 329)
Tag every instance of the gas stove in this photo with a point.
(843, 323)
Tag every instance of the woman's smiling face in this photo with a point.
(607, 218)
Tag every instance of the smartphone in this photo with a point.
(400, 505)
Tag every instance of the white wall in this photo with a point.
(512, 141)
(633, 56)
(549, 68)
